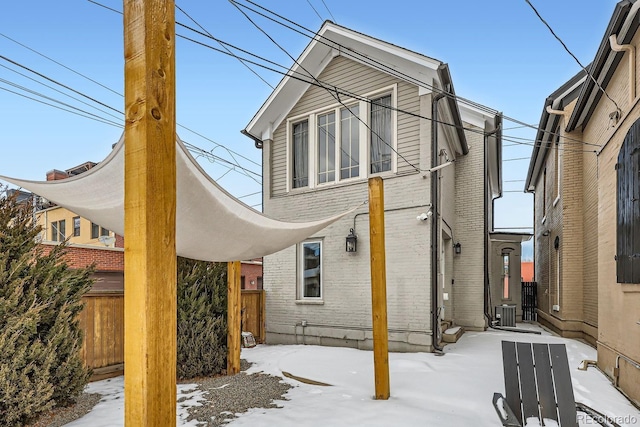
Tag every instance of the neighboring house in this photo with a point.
(588, 242)
(368, 111)
(251, 274)
(59, 223)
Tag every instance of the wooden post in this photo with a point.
(234, 312)
(379, 288)
(150, 213)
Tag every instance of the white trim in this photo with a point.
(364, 113)
(300, 272)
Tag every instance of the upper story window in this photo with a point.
(58, 231)
(300, 149)
(628, 212)
(326, 147)
(95, 230)
(76, 226)
(330, 145)
(349, 142)
(380, 134)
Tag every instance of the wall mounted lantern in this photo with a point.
(457, 248)
(352, 242)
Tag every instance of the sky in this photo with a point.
(499, 53)
(426, 390)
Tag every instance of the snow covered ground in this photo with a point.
(426, 390)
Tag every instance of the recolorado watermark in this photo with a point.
(584, 419)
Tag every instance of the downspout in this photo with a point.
(613, 41)
(487, 196)
(435, 220)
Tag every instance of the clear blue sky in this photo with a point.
(498, 51)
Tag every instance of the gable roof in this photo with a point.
(605, 63)
(548, 126)
(334, 40)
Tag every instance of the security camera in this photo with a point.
(424, 216)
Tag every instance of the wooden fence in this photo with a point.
(102, 321)
(253, 313)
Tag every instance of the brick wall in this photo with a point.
(251, 271)
(106, 259)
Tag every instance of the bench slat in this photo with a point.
(546, 395)
(511, 378)
(564, 388)
(527, 382)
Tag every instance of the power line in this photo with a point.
(231, 152)
(383, 67)
(327, 7)
(571, 53)
(60, 64)
(59, 91)
(58, 83)
(60, 108)
(224, 47)
(314, 9)
(516, 159)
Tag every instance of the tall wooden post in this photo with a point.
(379, 288)
(150, 213)
(234, 307)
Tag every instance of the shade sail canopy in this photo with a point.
(211, 225)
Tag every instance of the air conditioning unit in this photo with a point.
(505, 314)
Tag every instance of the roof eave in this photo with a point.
(604, 65)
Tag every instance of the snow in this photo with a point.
(453, 390)
(453, 330)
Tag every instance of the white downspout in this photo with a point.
(558, 112)
(613, 41)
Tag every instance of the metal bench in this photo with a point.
(538, 388)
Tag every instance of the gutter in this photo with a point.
(257, 142)
(449, 92)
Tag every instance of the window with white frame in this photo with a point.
(310, 270)
(349, 142)
(326, 139)
(380, 124)
(329, 145)
(300, 150)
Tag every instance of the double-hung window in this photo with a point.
(326, 147)
(58, 231)
(380, 148)
(310, 270)
(301, 154)
(76, 226)
(349, 140)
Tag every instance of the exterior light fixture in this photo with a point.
(457, 248)
(352, 242)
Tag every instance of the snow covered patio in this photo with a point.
(426, 390)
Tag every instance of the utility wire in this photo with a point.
(224, 47)
(60, 108)
(314, 9)
(383, 67)
(60, 92)
(336, 96)
(4, 58)
(338, 90)
(60, 64)
(327, 7)
(231, 152)
(571, 53)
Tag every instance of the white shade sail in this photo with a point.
(211, 225)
